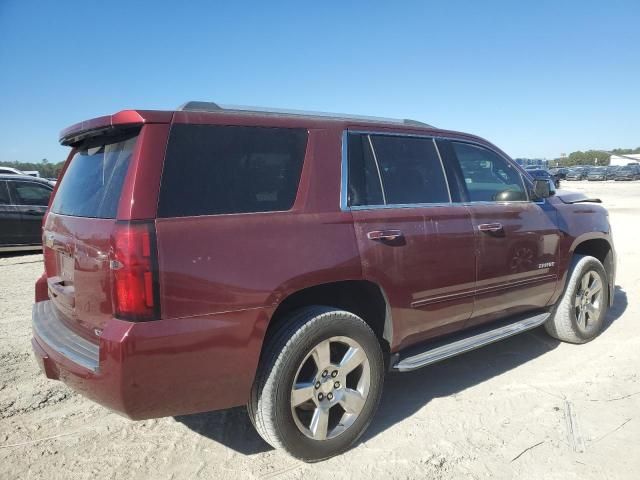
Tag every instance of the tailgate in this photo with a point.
(78, 230)
(76, 254)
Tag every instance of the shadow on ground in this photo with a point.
(404, 393)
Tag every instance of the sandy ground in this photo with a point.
(528, 407)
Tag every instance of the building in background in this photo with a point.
(618, 160)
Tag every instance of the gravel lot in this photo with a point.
(528, 407)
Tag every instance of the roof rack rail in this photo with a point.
(211, 107)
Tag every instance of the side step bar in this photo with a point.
(466, 341)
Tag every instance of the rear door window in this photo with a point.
(365, 186)
(395, 170)
(211, 169)
(411, 170)
(29, 193)
(93, 181)
(4, 194)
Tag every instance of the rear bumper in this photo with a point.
(155, 369)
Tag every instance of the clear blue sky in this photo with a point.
(537, 78)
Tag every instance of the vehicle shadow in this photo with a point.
(232, 428)
(404, 393)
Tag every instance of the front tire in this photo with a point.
(579, 315)
(318, 384)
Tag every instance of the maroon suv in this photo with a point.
(210, 257)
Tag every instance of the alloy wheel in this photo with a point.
(330, 388)
(588, 300)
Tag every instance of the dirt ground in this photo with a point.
(528, 407)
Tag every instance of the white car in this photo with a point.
(10, 171)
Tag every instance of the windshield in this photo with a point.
(93, 181)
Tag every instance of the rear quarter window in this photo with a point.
(211, 169)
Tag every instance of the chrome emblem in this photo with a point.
(546, 265)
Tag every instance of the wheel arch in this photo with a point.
(360, 297)
(601, 248)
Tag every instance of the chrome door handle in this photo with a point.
(384, 235)
(490, 227)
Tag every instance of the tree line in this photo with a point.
(589, 157)
(44, 167)
(52, 170)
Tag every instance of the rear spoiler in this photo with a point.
(103, 125)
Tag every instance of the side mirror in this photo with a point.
(541, 188)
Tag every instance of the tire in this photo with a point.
(572, 320)
(290, 357)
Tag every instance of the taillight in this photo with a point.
(133, 272)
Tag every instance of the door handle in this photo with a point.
(490, 227)
(33, 212)
(384, 235)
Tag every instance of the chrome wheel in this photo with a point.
(330, 388)
(588, 300)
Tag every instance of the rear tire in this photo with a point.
(579, 314)
(318, 384)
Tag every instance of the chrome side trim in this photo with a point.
(463, 345)
(402, 205)
(57, 336)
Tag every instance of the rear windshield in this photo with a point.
(93, 181)
(211, 170)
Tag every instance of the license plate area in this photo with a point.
(66, 269)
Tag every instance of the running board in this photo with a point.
(466, 341)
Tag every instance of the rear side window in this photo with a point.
(395, 170)
(93, 181)
(4, 194)
(411, 170)
(29, 193)
(365, 187)
(211, 169)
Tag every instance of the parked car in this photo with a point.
(10, 171)
(23, 202)
(627, 172)
(560, 172)
(577, 174)
(543, 174)
(597, 173)
(206, 258)
(611, 172)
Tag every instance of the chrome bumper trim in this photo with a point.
(57, 336)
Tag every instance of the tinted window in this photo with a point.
(4, 194)
(488, 177)
(29, 193)
(213, 170)
(411, 170)
(92, 184)
(364, 181)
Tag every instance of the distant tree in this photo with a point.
(44, 167)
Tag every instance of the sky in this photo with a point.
(536, 78)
